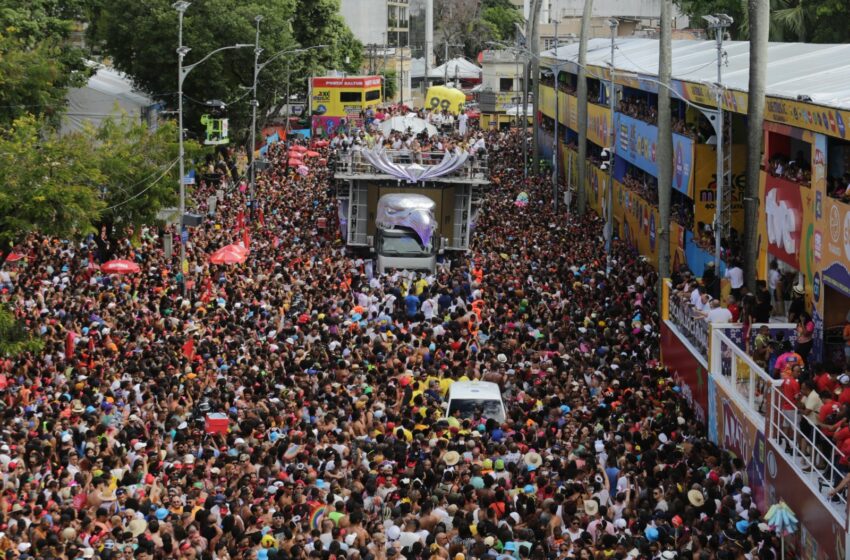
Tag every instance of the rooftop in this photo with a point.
(820, 72)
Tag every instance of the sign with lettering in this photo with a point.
(637, 143)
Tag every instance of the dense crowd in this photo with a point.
(333, 386)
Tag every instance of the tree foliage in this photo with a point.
(139, 173)
(49, 183)
(814, 21)
(472, 23)
(37, 64)
(15, 338)
(141, 39)
(502, 17)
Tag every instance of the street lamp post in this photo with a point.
(258, 67)
(719, 23)
(556, 141)
(182, 71)
(609, 200)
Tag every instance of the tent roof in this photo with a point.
(819, 71)
(457, 66)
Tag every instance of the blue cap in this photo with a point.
(651, 534)
(529, 489)
(510, 545)
(742, 526)
(565, 408)
(162, 513)
(90, 409)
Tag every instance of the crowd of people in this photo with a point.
(798, 170)
(292, 407)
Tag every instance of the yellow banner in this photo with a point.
(598, 116)
(705, 188)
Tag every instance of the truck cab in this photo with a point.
(405, 233)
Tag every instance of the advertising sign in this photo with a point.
(637, 141)
(783, 207)
(689, 372)
(705, 184)
(732, 429)
(821, 536)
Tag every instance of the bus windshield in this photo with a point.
(401, 243)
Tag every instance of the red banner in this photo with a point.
(352, 82)
(686, 369)
(783, 207)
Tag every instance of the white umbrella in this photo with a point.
(403, 124)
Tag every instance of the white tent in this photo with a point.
(108, 93)
(459, 67)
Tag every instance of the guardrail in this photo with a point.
(352, 162)
(809, 448)
(734, 365)
(684, 317)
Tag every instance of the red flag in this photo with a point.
(91, 344)
(189, 349)
(246, 238)
(260, 217)
(276, 242)
(70, 342)
(240, 220)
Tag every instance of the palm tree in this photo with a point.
(759, 19)
(581, 205)
(796, 17)
(665, 146)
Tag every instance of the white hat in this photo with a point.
(620, 523)
(393, 533)
(844, 379)
(746, 490)
(502, 359)
(88, 552)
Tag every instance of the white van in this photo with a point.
(476, 399)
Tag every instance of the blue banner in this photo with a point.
(637, 141)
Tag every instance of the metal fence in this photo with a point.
(352, 162)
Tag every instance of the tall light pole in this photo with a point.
(258, 67)
(182, 71)
(609, 200)
(719, 23)
(257, 51)
(555, 141)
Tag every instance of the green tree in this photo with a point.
(141, 39)
(390, 82)
(139, 176)
(49, 183)
(816, 21)
(37, 62)
(15, 337)
(502, 18)
(318, 22)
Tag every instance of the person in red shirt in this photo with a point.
(734, 308)
(825, 383)
(790, 390)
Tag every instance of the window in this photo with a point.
(373, 95)
(506, 84)
(350, 97)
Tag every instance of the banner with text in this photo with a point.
(637, 141)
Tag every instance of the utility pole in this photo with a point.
(254, 104)
(534, 17)
(556, 144)
(581, 206)
(609, 200)
(719, 23)
(665, 148)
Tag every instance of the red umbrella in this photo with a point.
(295, 155)
(321, 144)
(15, 257)
(230, 254)
(295, 162)
(298, 148)
(119, 266)
(311, 153)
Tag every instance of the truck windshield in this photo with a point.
(401, 243)
(477, 408)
